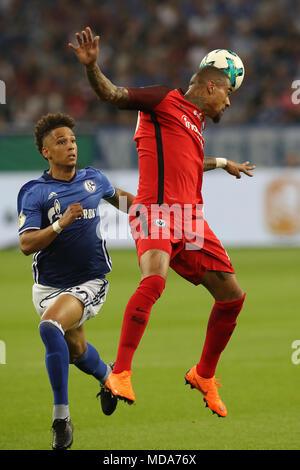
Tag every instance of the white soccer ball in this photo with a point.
(229, 62)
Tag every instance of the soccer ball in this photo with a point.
(229, 62)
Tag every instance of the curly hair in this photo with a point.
(48, 123)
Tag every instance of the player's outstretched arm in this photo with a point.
(233, 168)
(87, 52)
(121, 200)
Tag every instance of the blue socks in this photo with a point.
(90, 363)
(57, 363)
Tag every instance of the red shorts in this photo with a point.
(189, 260)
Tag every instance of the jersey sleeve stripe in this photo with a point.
(29, 228)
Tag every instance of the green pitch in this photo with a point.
(260, 382)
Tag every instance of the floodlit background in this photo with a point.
(257, 219)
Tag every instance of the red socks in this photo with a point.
(220, 327)
(221, 324)
(135, 319)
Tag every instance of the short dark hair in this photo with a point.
(48, 123)
(209, 72)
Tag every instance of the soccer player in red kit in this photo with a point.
(171, 164)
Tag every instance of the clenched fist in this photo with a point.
(73, 212)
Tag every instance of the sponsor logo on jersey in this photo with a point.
(21, 220)
(51, 195)
(192, 127)
(89, 213)
(90, 186)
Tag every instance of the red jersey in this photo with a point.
(170, 146)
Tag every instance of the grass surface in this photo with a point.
(260, 382)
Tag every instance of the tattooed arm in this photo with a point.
(104, 88)
(87, 53)
(209, 164)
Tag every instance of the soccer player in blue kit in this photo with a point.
(59, 222)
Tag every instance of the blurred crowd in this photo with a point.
(145, 42)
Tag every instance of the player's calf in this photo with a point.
(57, 364)
(136, 318)
(91, 363)
(221, 324)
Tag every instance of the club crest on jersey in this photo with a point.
(160, 223)
(199, 115)
(90, 186)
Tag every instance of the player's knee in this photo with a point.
(235, 293)
(47, 323)
(50, 316)
(231, 308)
(229, 290)
(227, 312)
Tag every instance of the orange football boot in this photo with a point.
(120, 386)
(208, 388)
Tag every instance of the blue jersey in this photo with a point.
(78, 254)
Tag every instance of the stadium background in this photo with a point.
(144, 43)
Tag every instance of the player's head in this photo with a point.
(209, 89)
(55, 139)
